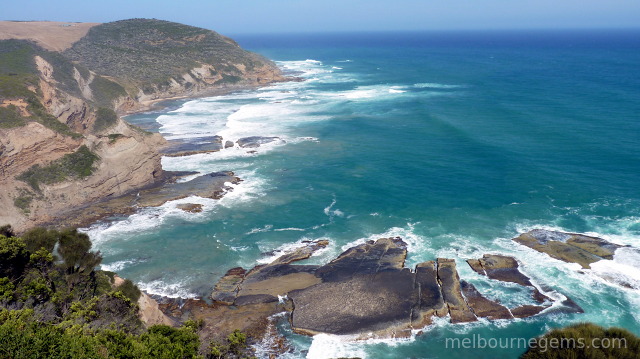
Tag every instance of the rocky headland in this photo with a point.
(63, 86)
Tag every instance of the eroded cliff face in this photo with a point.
(128, 158)
(202, 80)
(67, 104)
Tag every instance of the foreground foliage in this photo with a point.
(55, 304)
(22, 336)
(586, 341)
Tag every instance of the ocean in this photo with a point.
(454, 141)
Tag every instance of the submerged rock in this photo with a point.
(505, 269)
(256, 141)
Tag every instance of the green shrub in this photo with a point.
(130, 290)
(229, 79)
(7, 231)
(7, 289)
(105, 118)
(76, 165)
(235, 345)
(10, 117)
(23, 201)
(585, 341)
(16, 57)
(106, 91)
(114, 137)
(37, 238)
(13, 256)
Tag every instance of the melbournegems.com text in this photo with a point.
(479, 342)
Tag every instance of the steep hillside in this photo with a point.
(62, 144)
(158, 59)
(58, 147)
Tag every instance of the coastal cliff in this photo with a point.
(62, 143)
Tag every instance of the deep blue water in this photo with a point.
(456, 142)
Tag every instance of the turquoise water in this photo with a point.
(456, 142)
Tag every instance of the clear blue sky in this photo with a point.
(255, 16)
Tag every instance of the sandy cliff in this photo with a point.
(62, 145)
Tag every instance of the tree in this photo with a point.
(13, 256)
(7, 231)
(75, 251)
(39, 237)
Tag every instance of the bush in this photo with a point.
(130, 290)
(22, 336)
(106, 91)
(77, 165)
(105, 118)
(10, 117)
(7, 231)
(235, 346)
(13, 256)
(23, 202)
(577, 341)
(37, 238)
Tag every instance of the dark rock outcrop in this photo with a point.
(366, 291)
(505, 269)
(450, 284)
(481, 306)
(212, 185)
(179, 148)
(190, 207)
(276, 278)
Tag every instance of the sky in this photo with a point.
(282, 16)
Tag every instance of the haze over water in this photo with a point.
(455, 142)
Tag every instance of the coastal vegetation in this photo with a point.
(79, 164)
(152, 52)
(585, 341)
(10, 117)
(55, 303)
(105, 118)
